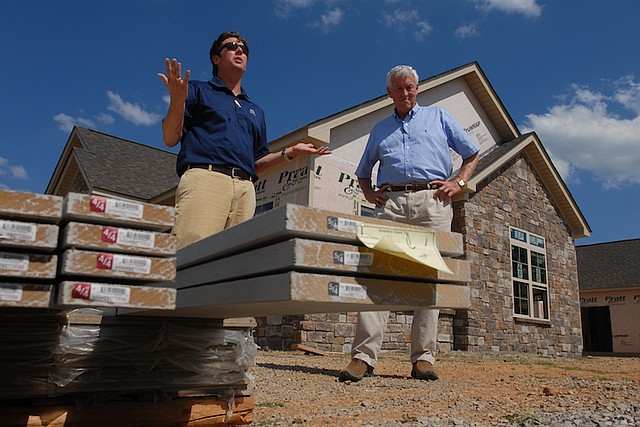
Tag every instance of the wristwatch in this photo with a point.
(461, 182)
(285, 156)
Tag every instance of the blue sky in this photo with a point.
(570, 70)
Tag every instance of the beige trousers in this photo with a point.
(413, 208)
(208, 202)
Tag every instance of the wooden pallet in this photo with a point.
(183, 412)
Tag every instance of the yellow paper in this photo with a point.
(414, 245)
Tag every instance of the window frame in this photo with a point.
(530, 276)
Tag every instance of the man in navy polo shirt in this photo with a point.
(223, 143)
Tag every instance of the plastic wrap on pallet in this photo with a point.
(26, 354)
(157, 355)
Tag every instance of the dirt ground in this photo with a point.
(294, 388)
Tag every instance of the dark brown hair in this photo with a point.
(216, 47)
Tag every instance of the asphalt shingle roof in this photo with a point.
(609, 265)
(125, 167)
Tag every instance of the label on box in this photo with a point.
(17, 231)
(124, 263)
(352, 258)
(116, 207)
(140, 239)
(10, 293)
(341, 224)
(347, 290)
(15, 262)
(100, 292)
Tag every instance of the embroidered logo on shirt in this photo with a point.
(252, 111)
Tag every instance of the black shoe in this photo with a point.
(355, 371)
(423, 370)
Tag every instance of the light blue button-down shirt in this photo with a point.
(416, 149)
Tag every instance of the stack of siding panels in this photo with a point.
(28, 241)
(101, 253)
(113, 251)
(298, 260)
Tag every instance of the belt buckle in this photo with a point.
(233, 173)
(408, 187)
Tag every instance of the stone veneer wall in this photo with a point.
(335, 331)
(513, 196)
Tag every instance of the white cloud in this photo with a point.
(18, 172)
(283, 8)
(403, 19)
(583, 134)
(628, 93)
(465, 31)
(332, 18)
(66, 122)
(399, 17)
(131, 112)
(105, 118)
(423, 28)
(526, 7)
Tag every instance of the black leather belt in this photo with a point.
(414, 187)
(227, 170)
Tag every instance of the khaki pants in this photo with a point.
(208, 202)
(413, 208)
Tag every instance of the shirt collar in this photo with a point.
(410, 115)
(218, 83)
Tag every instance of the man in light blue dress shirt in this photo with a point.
(411, 148)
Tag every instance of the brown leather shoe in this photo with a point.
(423, 370)
(355, 371)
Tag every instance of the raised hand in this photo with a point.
(177, 86)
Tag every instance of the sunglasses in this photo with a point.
(233, 46)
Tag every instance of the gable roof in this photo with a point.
(609, 265)
(114, 166)
(318, 132)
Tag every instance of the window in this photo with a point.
(529, 275)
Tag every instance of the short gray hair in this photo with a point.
(401, 71)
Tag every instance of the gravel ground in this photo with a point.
(293, 388)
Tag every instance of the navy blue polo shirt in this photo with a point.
(221, 128)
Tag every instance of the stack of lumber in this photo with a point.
(300, 260)
(113, 251)
(66, 265)
(84, 250)
(28, 240)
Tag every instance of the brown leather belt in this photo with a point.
(227, 170)
(414, 187)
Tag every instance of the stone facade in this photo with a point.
(513, 196)
(335, 331)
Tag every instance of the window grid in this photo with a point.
(529, 275)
